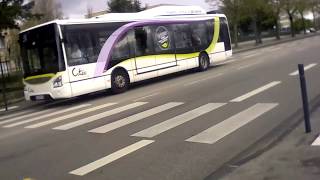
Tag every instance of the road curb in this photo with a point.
(235, 51)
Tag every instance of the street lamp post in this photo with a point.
(2, 46)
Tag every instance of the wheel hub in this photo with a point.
(120, 81)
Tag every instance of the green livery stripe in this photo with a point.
(216, 34)
(51, 75)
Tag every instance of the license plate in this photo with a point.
(40, 97)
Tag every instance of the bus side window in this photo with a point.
(210, 29)
(182, 38)
(144, 41)
(120, 51)
(199, 35)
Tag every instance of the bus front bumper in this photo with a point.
(38, 93)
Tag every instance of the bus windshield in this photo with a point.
(41, 52)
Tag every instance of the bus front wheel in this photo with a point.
(203, 62)
(119, 81)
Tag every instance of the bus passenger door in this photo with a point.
(145, 61)
(165, 50)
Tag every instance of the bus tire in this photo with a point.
(204, 61)
(119, 81)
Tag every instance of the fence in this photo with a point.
(10, 82)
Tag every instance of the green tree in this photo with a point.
(12, 11)
(275, 8)
(120, 6)
(232, 9)
(302, 6)
(259, 13)
(290, 7)
(136, 5)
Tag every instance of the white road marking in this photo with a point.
(305, 68)
(144, 97)
(225, 62)
(255, 92)
(14, 114)
(228, 126)
(275, 48)
(26, 115)
(316, 142)
(68, 116)
(230, 61)
(99, 116)
(204, 79)
(178, 120)
(110, 158)
(249, 55)
(46, 115)
(247, 66)
(9, 108)
(134, 118)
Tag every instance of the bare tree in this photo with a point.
(47, 10)
(50, 10)
(315, 9)
(89, 12)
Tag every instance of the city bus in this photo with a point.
(68, 58)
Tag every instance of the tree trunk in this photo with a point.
(255, 29)
(235, 35)
(314, 18)
(277, 23)
(303, 23)
(291, 25)
(278, 29)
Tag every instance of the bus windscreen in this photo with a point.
(39, 48)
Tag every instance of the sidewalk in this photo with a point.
(250, 45)
(292, 158)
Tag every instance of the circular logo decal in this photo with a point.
(162, 38)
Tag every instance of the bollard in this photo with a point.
(305, 100)
(3, 89)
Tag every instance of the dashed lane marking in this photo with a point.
(295, 73)
(256, 91)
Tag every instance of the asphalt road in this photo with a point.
(183, 126)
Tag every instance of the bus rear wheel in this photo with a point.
(203, 62)
(119, 81)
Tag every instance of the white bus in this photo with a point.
(68, 58)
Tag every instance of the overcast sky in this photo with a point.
(78, 8)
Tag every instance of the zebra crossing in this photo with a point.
(89, 113)
(215, 133)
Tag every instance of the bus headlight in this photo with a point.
(57, 82)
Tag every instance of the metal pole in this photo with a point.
(305, 100)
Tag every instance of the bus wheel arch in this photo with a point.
(204, 61)
(120, 80)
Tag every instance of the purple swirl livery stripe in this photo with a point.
(105, 53)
